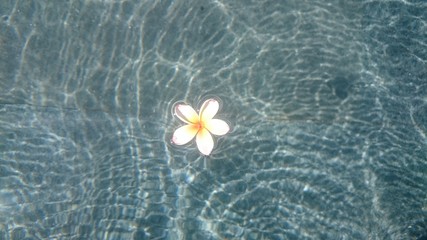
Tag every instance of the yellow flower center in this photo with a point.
(198, 125)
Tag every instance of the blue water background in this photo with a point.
(326, 99)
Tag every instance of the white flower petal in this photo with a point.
(184, 134)
(186, 113)
(209, 109)
(204, 141)
(217, 126)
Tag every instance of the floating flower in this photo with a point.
(200, 125)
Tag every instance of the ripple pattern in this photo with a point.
(326, 101)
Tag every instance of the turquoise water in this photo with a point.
(326, 99)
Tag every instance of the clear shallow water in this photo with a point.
(327, 103)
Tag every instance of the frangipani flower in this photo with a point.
(200, 125)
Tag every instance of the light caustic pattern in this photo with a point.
(326, 101)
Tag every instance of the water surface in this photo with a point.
(327, 100)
